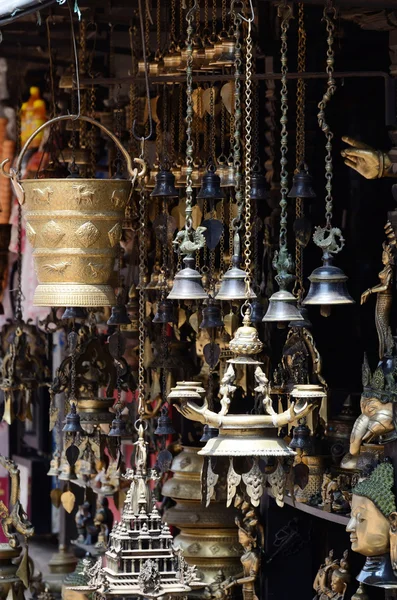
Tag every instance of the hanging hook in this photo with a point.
(76, 64)
(144, 138)
(251, 18)
(192, 10)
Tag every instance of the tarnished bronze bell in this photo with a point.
(117, 428)
(302, 439)
(119, 314)
(306, 321)
(187, 283)
(211, 317)
(211, 186)
(165, 185)
(72, 421)
(164, 423)
(257, 311)
(209, 433)
(259, 188)
(282, 308)
(233, 283)
(302, 186)
(327, 287)
(165, 312)
(226, 59)
(75, 312)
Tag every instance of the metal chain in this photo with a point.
(286, 12)
(189, 118)
(141, 297)
(329, 15)
(222, 240)
(212, 129)
(164, 266)
(158, 28)
(206, 18)
(173, 21)
(223, 129)
(51, 69)
(248, 148)
(213, 17)
(224, 12)
(181, 128)
(237, 121)
(300, 143)
(165, 161)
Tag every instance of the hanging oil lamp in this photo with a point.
(187, 281)
(328, 282)
(282, 304)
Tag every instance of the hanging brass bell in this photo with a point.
(211, 186)
(165, 312)
(226, 174)
(164, 423)
(302, 439)
(302, 184)
(282, 308)
(226, 59)
(306, 323)
(187, 283)
(209, 433)
(117, 428)
(211, 51)
(327, 287)
(212, 317)
(233, 283)
(75, 312)
(119, 314)
(165, 185)
(257, 311)
(259, 188)
(72, 421)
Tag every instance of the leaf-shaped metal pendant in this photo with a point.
(255, 483)
(212, 354)
(72, 341)
(303, 231)
(181, 317)
(213, 232)
(116, 344)
(193, 321)
(68, 500)
(55, 496)
(301, 475)
(72, 454)
(233, 481)
(231, 323)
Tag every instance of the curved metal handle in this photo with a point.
(133, 172)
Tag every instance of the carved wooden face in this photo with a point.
(368, 528)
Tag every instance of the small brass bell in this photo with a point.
(302, 186)
(233, 283)
(72, 421)
(75, 312)
(227, 175)
(327, 287)
(302, 439)
(211, 186)
(187, 283)
(164, 423)
(282, 308)
(226, 59)
(165, 185)
(165, 312)
(211, 317)
(257, 311)
(259, 188)
(119, 314)
(209, 433)
(117, 428)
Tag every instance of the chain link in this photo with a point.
(329, 15)
(173, 21)
(248, 148)
(141, 297)
(237, 121)
(222, 240)
(213, 17)
(189, 119)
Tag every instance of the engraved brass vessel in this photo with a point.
(74, 226)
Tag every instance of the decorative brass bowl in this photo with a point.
(74, 226)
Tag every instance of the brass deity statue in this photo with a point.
(373, 527)
(332, 578)
(367, 161)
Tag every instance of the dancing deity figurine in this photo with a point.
(384, 294)
(373, 527)
(332, 578)
(367, 161)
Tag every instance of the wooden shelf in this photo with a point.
(316, 512)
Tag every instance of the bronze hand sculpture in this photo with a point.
(367, 161)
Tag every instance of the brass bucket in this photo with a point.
(74, 226)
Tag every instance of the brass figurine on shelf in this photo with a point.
(332, 578)
(367, 161)
(373, 528)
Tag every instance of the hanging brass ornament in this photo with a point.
(73, 251)
(302, 184)
(328, 282)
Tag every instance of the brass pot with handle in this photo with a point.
(74, 226)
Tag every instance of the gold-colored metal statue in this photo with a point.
(74, 226)
(332, 578)
(367, 161)
(373, 527)
(14, 519)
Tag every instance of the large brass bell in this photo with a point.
(233, 283)
(306, 323)
(212, 317)
(72, 421)
(165, 185)
(302, 186)
(211, 186)
(282, 308)
(327, 287)
(187, 283)
(165, 312)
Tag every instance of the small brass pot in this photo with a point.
(74, 226)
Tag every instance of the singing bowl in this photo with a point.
(74, 226)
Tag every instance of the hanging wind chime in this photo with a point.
(328, 282)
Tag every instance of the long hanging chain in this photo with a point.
(282, 261)
(300, 142)
(141, 298)
(189, 119)
(248, 147)
(237, 20)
